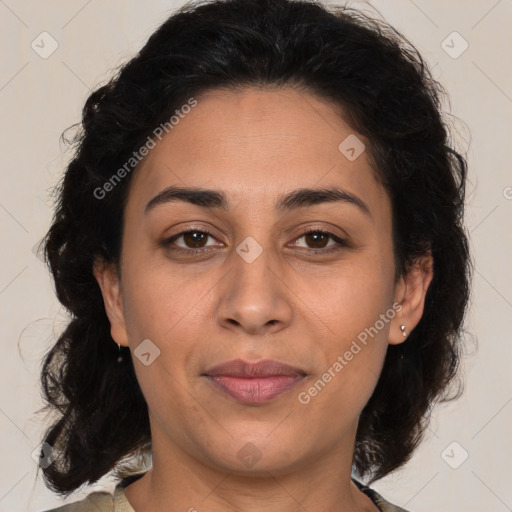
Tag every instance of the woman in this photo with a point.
(260, 242)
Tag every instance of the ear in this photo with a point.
(410, 292)
(110, 285)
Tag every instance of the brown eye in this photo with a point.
(317, 241)
(193, 240)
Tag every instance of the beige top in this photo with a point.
(99, 501)
(102, 501)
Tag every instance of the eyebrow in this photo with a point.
(299, 198)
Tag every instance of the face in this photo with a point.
(248, 273)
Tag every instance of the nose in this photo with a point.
(253, 296)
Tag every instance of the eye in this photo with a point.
(195, 241)
(318, 239)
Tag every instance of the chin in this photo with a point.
(256, 457)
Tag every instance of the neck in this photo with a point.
(182, 482)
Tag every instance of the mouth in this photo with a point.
(254, 383)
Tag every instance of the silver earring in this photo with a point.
(402, 328)
(120, 358)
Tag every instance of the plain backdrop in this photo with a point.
(464, 462)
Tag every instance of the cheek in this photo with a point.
(159, 302)
(356, 308)
(347, 379)
(351, 297)
(155, 311)
(167, 308)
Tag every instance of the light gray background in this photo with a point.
(39, 98)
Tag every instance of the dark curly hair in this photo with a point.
(386, 93)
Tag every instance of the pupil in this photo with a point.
(315, 235)
(191, 234)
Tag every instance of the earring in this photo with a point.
(120, 358)
(404, 334)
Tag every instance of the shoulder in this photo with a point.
(100, 501)
(384, 505)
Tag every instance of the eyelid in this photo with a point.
(321, 229)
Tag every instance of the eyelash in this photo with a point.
(340, 243)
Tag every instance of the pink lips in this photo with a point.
(254, 383)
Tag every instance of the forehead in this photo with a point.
(256, 144)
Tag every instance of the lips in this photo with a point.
(265, 368)
(254, 383)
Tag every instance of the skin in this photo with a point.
(300, 309)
